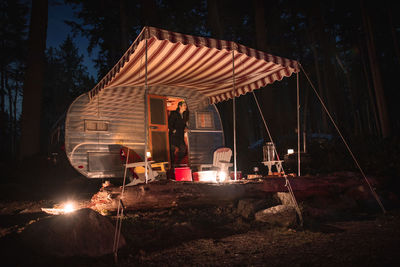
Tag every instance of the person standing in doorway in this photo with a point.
(177, 126)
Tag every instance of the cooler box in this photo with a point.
(206, 176)
(183, 174)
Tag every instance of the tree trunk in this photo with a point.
(329, 81)
(168, 194)
(324, 125)
(267, 95)
(10, 110)
(2, 90)
(354, 100)
(261, 31)
(394, 37)
(14, 123)
(124, 25)
(305, 112)
(149, 13)
(13, 114)
(311, 30)
(213, 19)
(159, 195)
(371, 102)
(376, 74)
(33, 82)
(3, 117)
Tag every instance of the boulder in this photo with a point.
(285, 198)
(248, 207)
(281, 215)
(80, 233)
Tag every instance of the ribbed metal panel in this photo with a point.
(203, 143)
(123, 109)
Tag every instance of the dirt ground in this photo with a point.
(208, 236)
(353, 243)
(217, 236)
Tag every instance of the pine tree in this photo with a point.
(13, 32)
(66, 78)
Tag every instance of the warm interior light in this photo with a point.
(208, 176)
(69, 207)
(148, 154)
(290, 151)
(222, 176)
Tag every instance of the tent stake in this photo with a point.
(344, 141)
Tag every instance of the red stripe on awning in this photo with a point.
(196, 63)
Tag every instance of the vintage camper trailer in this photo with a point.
(158, 70)
(95, 130)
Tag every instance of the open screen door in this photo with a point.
(158, 128)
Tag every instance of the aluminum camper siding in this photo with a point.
(203, 142)
(123, 112)
(95, 154)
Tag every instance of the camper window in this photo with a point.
(92, 125)
(204, 120)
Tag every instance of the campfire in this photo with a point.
(64, 208)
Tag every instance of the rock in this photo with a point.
(285, 198)
(280, 215)
(80, 233)
(359, 193)
(248, 207)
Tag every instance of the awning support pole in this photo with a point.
(344, 141)
(298, 126)
(234, 114)
(146, 92)
(287, 184)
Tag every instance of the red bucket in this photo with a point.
(195, 176)
(183, 174)
(239, 175)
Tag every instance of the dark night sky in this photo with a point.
(57, 31)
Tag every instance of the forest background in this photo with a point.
(349, 49)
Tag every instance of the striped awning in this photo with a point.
(207, 65)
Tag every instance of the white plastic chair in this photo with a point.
(221, 160)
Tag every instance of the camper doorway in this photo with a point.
(158, 128)
(172, 105)
(159, 109)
